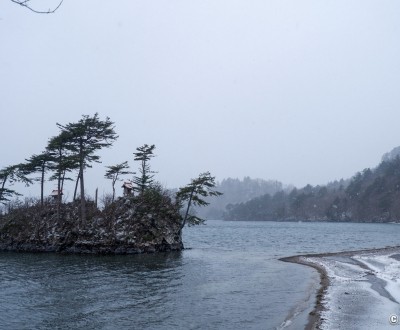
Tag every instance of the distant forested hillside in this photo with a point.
(372, 195)
(238, 191)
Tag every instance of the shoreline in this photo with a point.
(315, 316)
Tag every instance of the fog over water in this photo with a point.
(301, 92)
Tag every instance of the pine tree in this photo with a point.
(62, 161)
(40, 163)
(87, 136)
(192, 194)
(8, 176)
(114, 172)
(143, 155)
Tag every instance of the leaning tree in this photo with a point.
(8, 176)
(193, 194)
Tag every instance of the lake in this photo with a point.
(229, 277)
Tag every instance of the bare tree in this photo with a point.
(27, 4)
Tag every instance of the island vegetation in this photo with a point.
(147, 218)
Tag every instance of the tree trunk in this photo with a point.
(2, 187)
(76, 185)
(143, 176)
(63, 180)
(59, 186)
(42, 185)
(58, 195)
(187, 209)
(83, 202)
(113, 186)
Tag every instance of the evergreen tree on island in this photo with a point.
(9, 175)
(150, 221)
(87, 136)
(61, 161)
(193, 194)
(143, 155)
(40, 163)
(114, 172)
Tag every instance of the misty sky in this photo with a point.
(297, 91)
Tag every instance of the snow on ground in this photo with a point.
(364, 291)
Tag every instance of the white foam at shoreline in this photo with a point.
(389, 271)
(351, 301)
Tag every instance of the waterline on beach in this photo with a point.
(360, 289)
(229, 276)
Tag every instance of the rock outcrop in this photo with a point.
(149, 223)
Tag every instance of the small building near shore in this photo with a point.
(55, 194)
(128, 188)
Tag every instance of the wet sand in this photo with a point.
(315, 318)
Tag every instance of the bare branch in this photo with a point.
(25, 3)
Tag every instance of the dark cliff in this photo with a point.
(148, 223)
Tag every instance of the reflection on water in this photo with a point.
(230, 279)
(83, 291)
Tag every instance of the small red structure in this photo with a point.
(128, 188)
(56, 193)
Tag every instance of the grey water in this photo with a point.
(229, 277)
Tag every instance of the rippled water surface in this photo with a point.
(228, 278)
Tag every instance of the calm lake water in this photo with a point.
(228, 278)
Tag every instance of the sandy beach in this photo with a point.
(358, 289)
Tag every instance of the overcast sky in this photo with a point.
(297, 91)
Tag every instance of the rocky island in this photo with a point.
(148, 218)
(150, 222)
